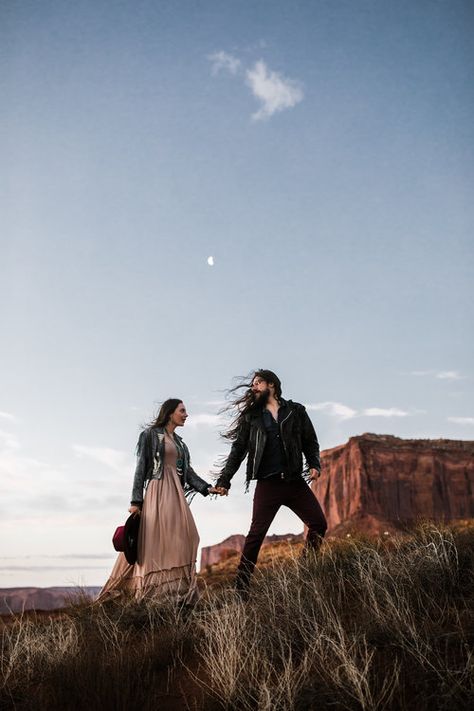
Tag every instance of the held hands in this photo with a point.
(218, 490)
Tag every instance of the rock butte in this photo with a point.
(380, 482)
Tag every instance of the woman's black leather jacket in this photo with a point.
(150, 459)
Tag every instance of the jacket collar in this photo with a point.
(161, 431)
(284, 405)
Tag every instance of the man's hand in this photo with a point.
(218, 490)
(135, 510)
(314, 474)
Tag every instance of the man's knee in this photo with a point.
(257, 531)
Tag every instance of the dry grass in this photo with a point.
(115, 656)
(367, 625)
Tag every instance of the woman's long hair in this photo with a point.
(240, 405)
(166, 410)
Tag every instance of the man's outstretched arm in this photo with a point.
(236, 456)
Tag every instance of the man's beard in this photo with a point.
(260, 399)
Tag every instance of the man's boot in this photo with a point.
(311, 548)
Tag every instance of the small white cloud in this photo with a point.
(344, 412)
(274, 91)
(8, 416)
(335, 409)
(8, 440)
(223, 60)
(113, 458)
(462, 420)
(449, 375)
(442, 374)
(210, 261)
(384, 412)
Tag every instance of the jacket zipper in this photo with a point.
(255, 455)
(282, 439)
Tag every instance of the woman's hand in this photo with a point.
(135, 510)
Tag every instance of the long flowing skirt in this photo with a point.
(167, 547)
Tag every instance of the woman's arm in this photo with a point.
(195, 481)
(143, 448)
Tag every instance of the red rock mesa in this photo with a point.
(379, 482)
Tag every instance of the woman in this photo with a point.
(168, 538)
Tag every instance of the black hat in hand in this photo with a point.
(125, 538)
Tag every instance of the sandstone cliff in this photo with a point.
(380, 482)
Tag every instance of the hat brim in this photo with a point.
(130, 544)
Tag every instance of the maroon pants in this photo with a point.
(270, 494)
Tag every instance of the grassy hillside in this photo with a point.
(368, 624)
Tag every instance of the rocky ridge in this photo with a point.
(377, 482)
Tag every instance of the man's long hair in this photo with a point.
(240, 405)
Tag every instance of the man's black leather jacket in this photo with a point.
(297, 435)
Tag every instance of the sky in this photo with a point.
(192, 190)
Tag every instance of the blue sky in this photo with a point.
(320, 152)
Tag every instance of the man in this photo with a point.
(274, 433)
